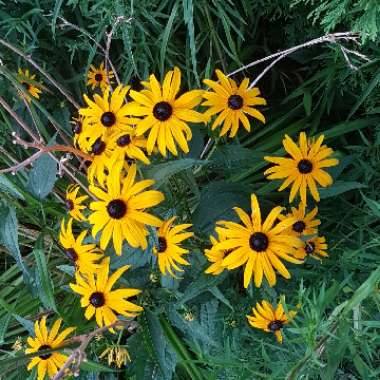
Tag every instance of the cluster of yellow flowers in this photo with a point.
(116, 133)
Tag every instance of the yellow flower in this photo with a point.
(116, 354)
(266, 317)
(305, 224)
(83, 256)
(165, 116)
(106, 113)
(315, 247)
(80, 138)
(98, 298)
(232, 102)
(126, 145)
(74, 203)
(48, 363)
(168, 250)
(216, 256)
(98, 77)
(304, 167)
(258, 245)
(120, 211)
(26, 79)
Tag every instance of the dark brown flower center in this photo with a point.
(235, 102)
(98, 147)
(258, 242)
(117, 209)
(161, 244)
(162, 111)
(275, 325)
(43, 348)
(71, 254)
(98, 77)
(108, 119)
(305, 166)
(299, 226)
(77, 127)
(123, 141)
(309, 247)
(26, 85)
(69, 204)
(97, 299)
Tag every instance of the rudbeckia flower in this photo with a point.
(25, 78)
(315, 247)
(266, 317)
(232, 104)
(105, 113)
(168, 249)
(98, 298)
(120, 212)
(83, 256)
(258, 245)
(74, 203)
(304, 167)
(165, 116)
(97, 77)
(48, 363)
(305, 223)
(215, 256)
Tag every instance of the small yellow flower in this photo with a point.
(102, 302)
(189, 316)
(168, 249)
(232, 103)
(48, 363)
(165, 115)
(74, 203)
(315, 247)
(216, 256)
(97, 77)
(117, 355)
(304, 167)
(26, 79)
(269, 319)
(17, 345)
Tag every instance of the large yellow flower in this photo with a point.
(304, 167)
(74, 203)
(266, 317)
(48, 363)
(103, 114)
(165, 116)
(314, 247)
(168, 250)
(26, 79)
(232, 102)
(305, 224)
(216, 256)
(258, 245)
(97, 77)
(98, 298)
(83, 256)
(120, 212)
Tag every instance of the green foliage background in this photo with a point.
(335, 334)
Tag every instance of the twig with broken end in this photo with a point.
(78, 355)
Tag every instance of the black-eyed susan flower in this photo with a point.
(97, 77)
(315, 247)
(105, 113)
(101, 161)
(98, 298)
(168, 249)
(305, 223)
(80, 138)
(304, 167)
(266, 317)
(126, 145)
(47, 363)
(26, 79)
(120, 212)
(258, 245)
(74, 204)
(215, 256)
(165, 116)
(232, 104)
(83, 256)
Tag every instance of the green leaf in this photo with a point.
(91, 366)
(307, 101)
(7, 186)
(57, 8)
(339, 187)
(42, 177)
